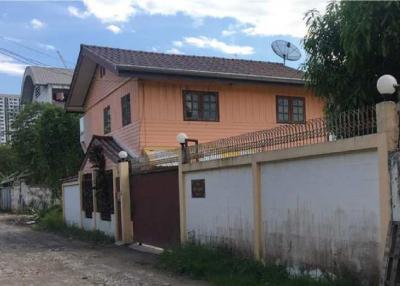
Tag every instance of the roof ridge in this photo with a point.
(191, 56)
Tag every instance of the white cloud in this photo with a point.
(77, 13)
(177, 43)
(113, 28)
(37, 24)
(108, 11)
(263, 17)
(211, 43)
(228, 32)
(10, 67)
(47, 46)
(174, 51)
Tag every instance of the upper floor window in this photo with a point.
(126, 109)
(290, 109)
(102, 71)
(200, 106)
(107, 119)
(60, 95)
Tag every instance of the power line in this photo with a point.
(20, 58)
(16, 42)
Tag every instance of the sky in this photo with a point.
(39, 31)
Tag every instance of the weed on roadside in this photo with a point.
(222, 268)
(51, 220)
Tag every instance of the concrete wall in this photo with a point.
(24, 196)
(105, 226)
(71, 204)
(225, 215)
(87, 223)
(322, 212)
(315, 207)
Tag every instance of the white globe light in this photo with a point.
(386, 84)
(181, 138)
(123, 155)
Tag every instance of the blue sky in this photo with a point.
(36, 30)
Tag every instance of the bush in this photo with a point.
(52, 220)
(221, 267)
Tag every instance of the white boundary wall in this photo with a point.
(72, 204)
(226, 214)
(316, 207)
(322, 211)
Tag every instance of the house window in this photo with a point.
(59, 95)
(105, 198)
(37, 91)
(102, 71)
(107, 119)
(200, 106)
(126, 109)
(290, 109)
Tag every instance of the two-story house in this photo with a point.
(139, 101)
(44, 84)
(143, 99)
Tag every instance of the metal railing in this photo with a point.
(331, 128)
(339, 126)
(160, 159)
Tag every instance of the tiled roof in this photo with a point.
(45, 75)
(126, 60)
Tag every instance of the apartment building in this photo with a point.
(9, 108)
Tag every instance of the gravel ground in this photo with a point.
(30, 257)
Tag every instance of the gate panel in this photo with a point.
(5, 199)
(155, 207)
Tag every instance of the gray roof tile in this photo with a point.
(160, 62)
(45, 75)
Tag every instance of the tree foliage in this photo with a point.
(46, 141)
(350, 47)
(8, 159)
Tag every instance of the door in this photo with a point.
(155, 207)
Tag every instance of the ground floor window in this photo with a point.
(104, 196)
(87, 195)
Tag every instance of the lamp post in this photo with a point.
(122, 156)
(181, 138)
(387, 85)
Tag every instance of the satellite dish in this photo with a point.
(286, 50)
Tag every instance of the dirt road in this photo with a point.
(29, 257)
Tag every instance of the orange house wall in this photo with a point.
(242, 108)
(157, 110)
(107, 91)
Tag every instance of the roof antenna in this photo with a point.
(61, 59)
(286, 50)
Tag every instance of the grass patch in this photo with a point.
(221, 268)
(51, 220)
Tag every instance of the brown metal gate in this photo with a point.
(155, 207)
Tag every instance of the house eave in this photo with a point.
(143, 70)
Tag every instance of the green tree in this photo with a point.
(8, 164)
(46, 141)
(349, 47)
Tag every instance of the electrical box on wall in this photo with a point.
(198, 188)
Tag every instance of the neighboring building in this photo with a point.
(9, 108)
(17, 195)
(143, 99)
(43, 84)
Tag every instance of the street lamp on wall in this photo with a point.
(183, 139)
(387, 85)
(122, 156)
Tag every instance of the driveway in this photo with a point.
(30, 257)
